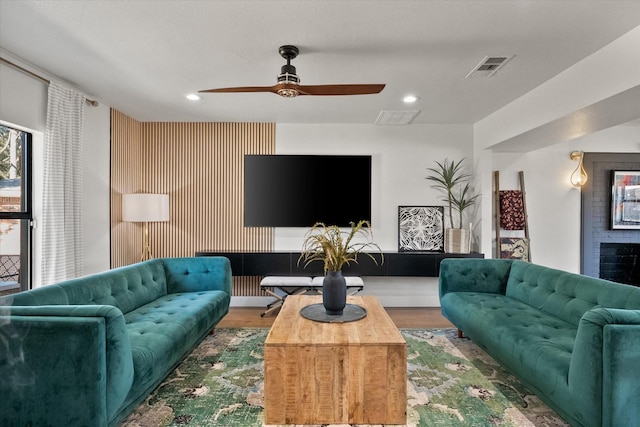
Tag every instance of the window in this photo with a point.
(15, 210)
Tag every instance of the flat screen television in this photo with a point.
(300, 190)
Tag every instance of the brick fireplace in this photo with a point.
(608, 253)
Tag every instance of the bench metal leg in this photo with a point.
(354, 290)
(277, 304)
(274, 306)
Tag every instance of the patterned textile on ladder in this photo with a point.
(514, 248)
(512, 216)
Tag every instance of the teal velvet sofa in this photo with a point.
(86, 351)
(574, 340)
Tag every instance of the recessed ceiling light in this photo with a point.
(410, 99)
(194, 97)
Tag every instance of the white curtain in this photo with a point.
(62, 255)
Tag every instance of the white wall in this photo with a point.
(23, 104)
(553, 204)
(575, 110)
(96, 189)
(400, 157)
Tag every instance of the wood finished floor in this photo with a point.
(409, 317)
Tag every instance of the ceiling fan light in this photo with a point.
(288, 92)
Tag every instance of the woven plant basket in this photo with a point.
(457, 241)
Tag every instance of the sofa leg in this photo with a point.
(212, 331)
(460, 334)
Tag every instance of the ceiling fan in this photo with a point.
(289, 86)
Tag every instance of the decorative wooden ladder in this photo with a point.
(514, 247)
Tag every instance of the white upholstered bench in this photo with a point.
(288, 285)
(296, 285)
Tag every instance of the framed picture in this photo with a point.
(421, 228)
(625, 200)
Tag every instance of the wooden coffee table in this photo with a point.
(334, 373)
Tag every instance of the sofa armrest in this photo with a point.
(198, 274)
(605, 361)
(63, 365)
(473, 275)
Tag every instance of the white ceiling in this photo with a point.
(143, 57)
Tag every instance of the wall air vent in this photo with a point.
(488, 66)
(400, 117)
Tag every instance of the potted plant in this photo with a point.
(335, 248)
(451, 178)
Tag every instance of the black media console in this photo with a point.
(408, 264)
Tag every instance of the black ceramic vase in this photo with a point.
(334, 292)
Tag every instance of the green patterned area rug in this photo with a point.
(451, 382)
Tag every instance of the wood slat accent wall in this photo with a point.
(201, 167)
(126, 177)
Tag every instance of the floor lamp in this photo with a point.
(145, 207)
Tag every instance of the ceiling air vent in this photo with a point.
(401, 117)
(488, 66)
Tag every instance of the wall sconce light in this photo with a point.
(145, 207)
(579, 176)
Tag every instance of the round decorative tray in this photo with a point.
(318, 313)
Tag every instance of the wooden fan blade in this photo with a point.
(241, 89)
(356, 89)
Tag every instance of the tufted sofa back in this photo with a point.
(126, 287)
(564, 295)
(185, 275)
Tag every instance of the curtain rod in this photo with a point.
(91, 102)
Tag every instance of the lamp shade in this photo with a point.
(145, 207)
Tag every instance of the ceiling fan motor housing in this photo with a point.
(288, 75)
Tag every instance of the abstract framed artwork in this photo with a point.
(421, 228)
(625, 200)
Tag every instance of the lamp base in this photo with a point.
(146, 249)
